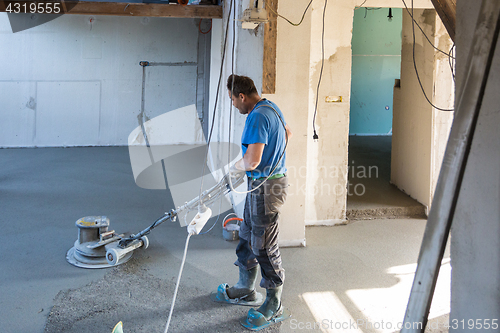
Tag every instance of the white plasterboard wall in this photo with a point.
(70, 82)
(420, 132)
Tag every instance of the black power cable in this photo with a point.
(411, 15)
(315, 135)
(451, 61)
(361, 5)
(415, 64)
(294, 24)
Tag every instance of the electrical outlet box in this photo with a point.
(252, 17)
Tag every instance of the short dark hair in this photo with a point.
(240, 84)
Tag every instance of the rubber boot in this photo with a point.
(245, 285)
(118, 328)
(272, 303)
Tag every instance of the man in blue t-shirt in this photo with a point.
(263, 142)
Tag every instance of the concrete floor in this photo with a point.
(360, 272)
(371, 194)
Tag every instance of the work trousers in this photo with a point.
(260, 228)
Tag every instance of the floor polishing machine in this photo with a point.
(99, 247)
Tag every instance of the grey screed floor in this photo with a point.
(370, 193)
(355, 273)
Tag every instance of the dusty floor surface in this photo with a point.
(357, 272)
(129, 293)
(369, 174)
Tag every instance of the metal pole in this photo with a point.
(142, 115)
(173, 64)
(453, 167)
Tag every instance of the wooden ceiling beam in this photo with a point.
(135, 9)
(447, 11)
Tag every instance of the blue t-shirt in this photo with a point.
(264, 126)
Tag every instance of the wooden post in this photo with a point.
(447, 11)
(269, 61)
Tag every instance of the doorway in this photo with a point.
(376, 67)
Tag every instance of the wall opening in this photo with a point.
(376, 63)
(376, 66)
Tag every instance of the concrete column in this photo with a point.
(420, 131)
(444, 95)
(475, 245)
(292, 84)
(326, 191)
